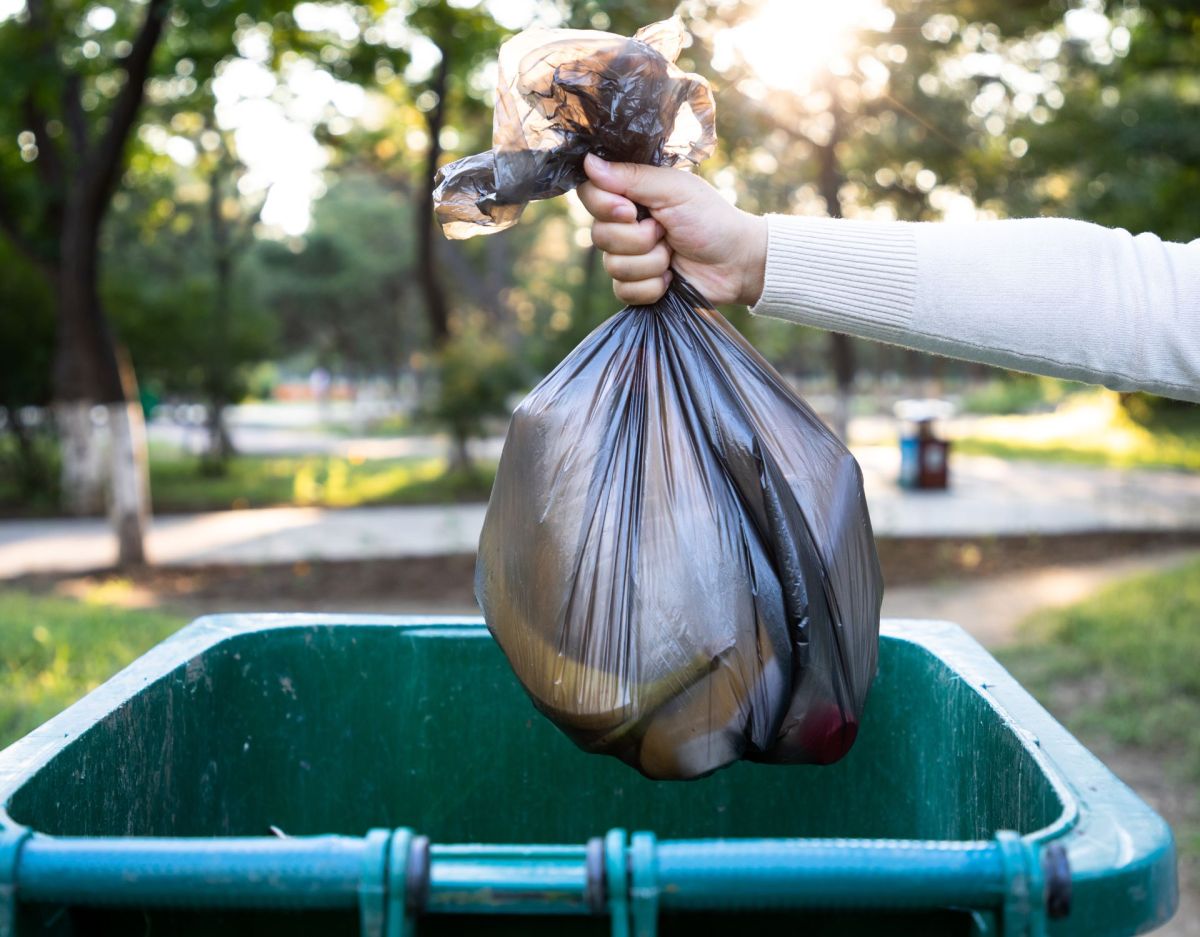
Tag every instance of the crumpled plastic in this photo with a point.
(564, 93)
(677, 557)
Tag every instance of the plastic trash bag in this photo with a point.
(677, 558)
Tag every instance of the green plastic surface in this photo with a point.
(310, 725)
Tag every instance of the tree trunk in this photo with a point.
(841, 349)
(81, 175)
(84, 458)
(220, 444)
(914, 368)
(85, 366)
(87, 375)
(129, 503)
(130, 494)
(217, 379)
(460, 453)
(436, 306)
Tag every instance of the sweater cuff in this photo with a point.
(857, 277)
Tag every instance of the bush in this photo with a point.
(30, 466)
(1162, 413)
(476, 375)
(1019, 393)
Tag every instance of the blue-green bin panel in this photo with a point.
(387, 776)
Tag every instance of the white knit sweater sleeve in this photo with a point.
(1047, 295)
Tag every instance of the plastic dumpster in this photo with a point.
(387, 776)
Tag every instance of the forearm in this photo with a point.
(1051, 296)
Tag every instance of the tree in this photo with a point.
(74, 114)
(477, 374)
(72, 108)
(896, 122)
(1123, 149)
(345, 295)
(230, 229)
(175, 251)
(461, 39)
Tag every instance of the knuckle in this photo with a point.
(630, 267)
(607, 209)
(590, 203)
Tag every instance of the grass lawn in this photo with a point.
(1153, 453)
(1090, 429)
(1122, 668)
(177, 484)
(54, 650)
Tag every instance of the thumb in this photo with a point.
(652, 186)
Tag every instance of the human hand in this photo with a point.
(719, 248)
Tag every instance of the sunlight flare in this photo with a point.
(788, 43)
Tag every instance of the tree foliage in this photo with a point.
(1124, 150)
(344, 295)
(950, 109)
(161, 289)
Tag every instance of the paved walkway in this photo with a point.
(991, 607)
(989, 497)
(999, 497)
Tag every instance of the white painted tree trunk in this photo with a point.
(104, 465)
(130, 492)
(84, 458)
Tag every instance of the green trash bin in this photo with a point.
(387, 776)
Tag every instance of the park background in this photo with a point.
(241, 369)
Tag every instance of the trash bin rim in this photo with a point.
(943, 639)
(1110, 835)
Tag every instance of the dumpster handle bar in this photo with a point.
(1009, 876)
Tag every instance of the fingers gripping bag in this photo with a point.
(677, 558)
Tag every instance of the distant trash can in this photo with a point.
(924, 456)
(387, 776)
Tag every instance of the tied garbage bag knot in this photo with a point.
(564, 93)
(677, 557)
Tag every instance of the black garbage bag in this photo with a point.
(677, 558)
